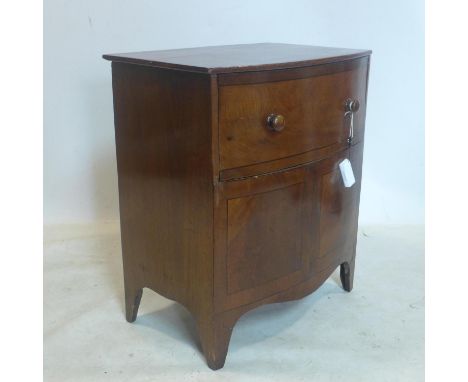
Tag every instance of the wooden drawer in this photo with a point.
(312, 101)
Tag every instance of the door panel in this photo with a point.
(263, 244)
(266, 223)
(277, 230)
(338, 209)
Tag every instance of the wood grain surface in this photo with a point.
(218, 212)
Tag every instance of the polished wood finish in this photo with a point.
(314, 108)
(230, 191)
(163, 140)
(266, 246)
(239, 58)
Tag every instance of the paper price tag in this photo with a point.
(347, 173)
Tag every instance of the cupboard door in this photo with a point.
(277, 230)
(266, 222)
(336, 210)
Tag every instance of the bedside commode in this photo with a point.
(239, 172)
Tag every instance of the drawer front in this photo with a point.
(312, 114)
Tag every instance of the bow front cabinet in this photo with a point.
(230, 188)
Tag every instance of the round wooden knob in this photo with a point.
(276, 122)
(352, 105)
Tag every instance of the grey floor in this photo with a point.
(374, 333)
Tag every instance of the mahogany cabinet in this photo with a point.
(231, 194)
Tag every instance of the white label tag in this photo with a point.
(347, 173)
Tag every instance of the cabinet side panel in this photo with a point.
(163, 141)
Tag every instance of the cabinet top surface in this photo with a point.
(239, 58)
